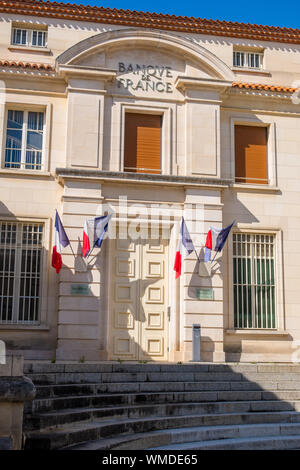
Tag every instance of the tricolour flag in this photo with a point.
(215, 240)
(93, 233)
(184, 248)
(60, 241)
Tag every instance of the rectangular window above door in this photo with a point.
(142, 150)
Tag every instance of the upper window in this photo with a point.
(29, 37)
(251, 154)
(24, 140)
(251, 60)
(142, 150)
(20, 272)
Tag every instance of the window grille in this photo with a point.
(254, 281)
(24, 140)
(29, 37)
(20, 272)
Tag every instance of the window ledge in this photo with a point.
(41, 50)
(17, 172)
(257, 332)
(251, 71)
(255, 187)
(15, 326)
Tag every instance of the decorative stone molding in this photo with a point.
(66, 173)
(145, 38)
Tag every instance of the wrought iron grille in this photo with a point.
(254, 280)
(20, 272)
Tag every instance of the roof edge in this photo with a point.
(161, 21)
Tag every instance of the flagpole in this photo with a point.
(88, 262)
(72, 251)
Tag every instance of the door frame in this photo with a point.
(172, 301)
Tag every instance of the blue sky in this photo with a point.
(273, 13)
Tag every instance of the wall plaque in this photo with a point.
(80, 289)
(205, 293)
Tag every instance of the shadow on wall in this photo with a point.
(234, 208)
(38, 344)
(20, 266)
(202, 279)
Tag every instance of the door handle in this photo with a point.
(169, 313)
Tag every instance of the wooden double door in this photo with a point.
(138, 299)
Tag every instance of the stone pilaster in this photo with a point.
(203, 208)
(81, 334)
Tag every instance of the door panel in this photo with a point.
(154, 304)
(124, 282)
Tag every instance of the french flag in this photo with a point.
(215, 240)
(184, 248)
(61, 241)
(93, 233)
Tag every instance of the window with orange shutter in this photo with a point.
(142, 151)
(251, 154)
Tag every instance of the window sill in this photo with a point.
(254, 332)
(12, 326)
(251, 71)
(41, 50)
(255, 187)
(16, 172)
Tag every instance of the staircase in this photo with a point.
(102, 406)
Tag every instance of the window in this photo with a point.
(142, 152)
(251, 60)
(29, 37)
(24, 140)
(251, 154)
(20, 272)
(254, 280)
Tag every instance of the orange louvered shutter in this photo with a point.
(251, 154)
(142, 143)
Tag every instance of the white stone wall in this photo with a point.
(85, 122)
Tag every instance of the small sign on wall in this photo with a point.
(80, 289)
(205, 293)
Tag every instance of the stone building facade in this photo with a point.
(155, 118)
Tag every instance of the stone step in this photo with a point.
(168, 438)
(94, 377)
(167, 377)
(59, 418)
(243, 443)
(44, 367)
(89, 401)
(48, 391)
(102, 430)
